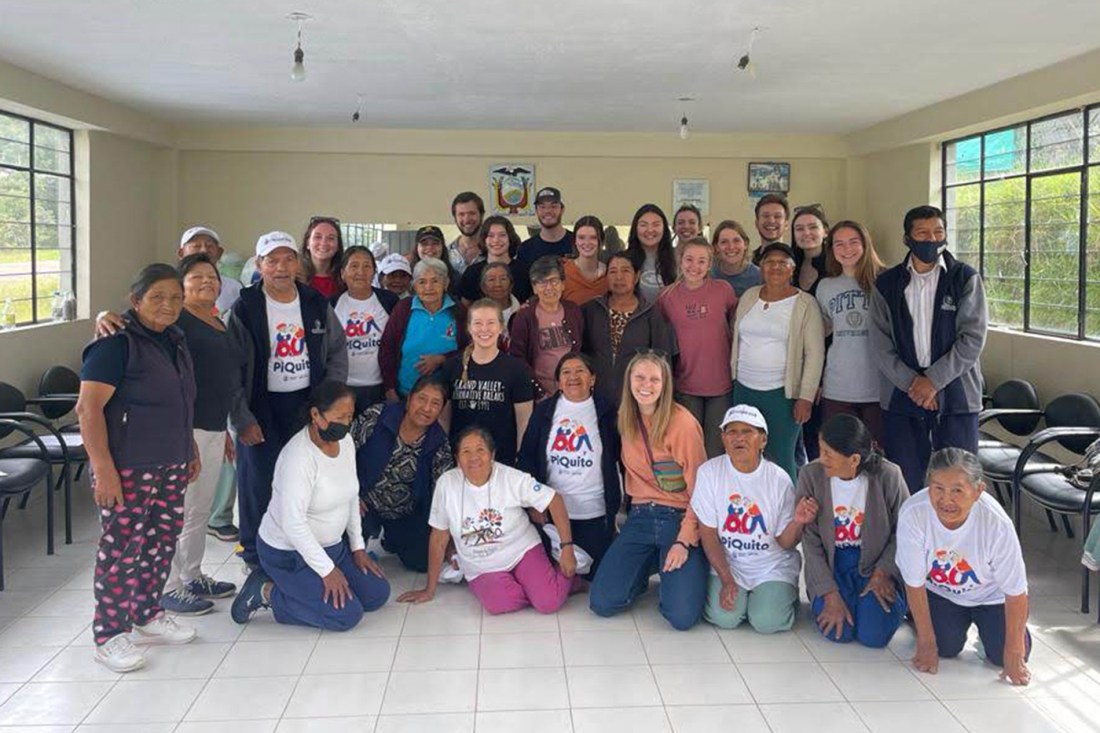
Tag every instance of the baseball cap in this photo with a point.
(197, 231)
(394, 262)
(746, 414)
(767, 249)
(429, 231)
(272, 241)
(548, 193)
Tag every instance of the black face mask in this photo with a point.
(925, 251)
(334, 433)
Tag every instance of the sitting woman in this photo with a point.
(851, 578)
(572, 444)
(401, 451)
(309, 575)
(741, 500)
(548, 328)
(662, 450)
(482, 505)
(962, 565)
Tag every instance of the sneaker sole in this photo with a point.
(138, 640)
(121, 670)
(203, 612)
(212, 597)
(224, 537)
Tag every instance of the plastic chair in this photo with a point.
(19, 475)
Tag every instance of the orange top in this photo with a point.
(683, 443)
(580, 289)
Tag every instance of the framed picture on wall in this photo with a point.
(694, 191)
(769, 177)
(512, 189)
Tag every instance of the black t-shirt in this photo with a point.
(488, 398)
(470, 286)
(536, 247)
(215, 360)
(105, 361)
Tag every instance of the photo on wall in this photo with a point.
(769, 177)
(512, 189)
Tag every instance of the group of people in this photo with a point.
(544, 417)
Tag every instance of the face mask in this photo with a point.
(926, 252)
(335, 432)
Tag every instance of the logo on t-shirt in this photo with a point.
(290, 340)
(847, 526)
(743, 517)
(362, 331)
(485, 529)
(696, 311)
(951, 572)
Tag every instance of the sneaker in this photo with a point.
(450, 572)
(206, 587)
(225, 532)
(183, 602)
(584, 560)
(163, 630)
(251, 598)
(120, 655)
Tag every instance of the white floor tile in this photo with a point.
(635, 720)
(229, 726)
(76, 664)
(695, 718)
(700, 645)
(499, 651)
(591, 648)
(425, 653)
(19, 664)
(829, 651)
(435, 620)
(746, 646)
(1075, 715)
(968, 678)
(789, 682)
(527, 621)
(79, 603)
(386, 621)
(576, 616)
(540, 721)
(141, 701)
(47, 703)
(225, 698)
(701, 684)
(356, 724)
(907, 717)
(43, 632)
(16, 603)
(334, 654)
(601, 687)
(522, 689)
(835, 717)
(264, 627)
(120, 728)
(346, 694)
(427, 723)
(876, 681)
(1002, 716)
(430, 692)
(194, 661)
(266, 659)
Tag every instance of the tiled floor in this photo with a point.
(447, 666)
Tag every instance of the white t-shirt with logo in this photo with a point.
(749, 510)
(288, 365)
(489, 523)
(573, 457)
(849, 503)
(363, 322)
(977, 564)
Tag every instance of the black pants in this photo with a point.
(367, 396)
(910, 439)
(591, 535)
(951, 622)
(408, 539)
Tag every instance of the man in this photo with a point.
(204, 240)
(292, 340)
(395, 274)
(772, 214)
(930, 320)
(553, 238)
(467, 210)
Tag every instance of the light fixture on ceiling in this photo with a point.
(684, 131)
(298, 71)
(358, 109)
(745, 63)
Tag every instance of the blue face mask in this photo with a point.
(925, 251)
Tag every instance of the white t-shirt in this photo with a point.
(573, 456)
(762, 351)
(314, 500)
(749, 510)
(363, 322)
(977, 564)
(849, 503)
(489, 523)
(288, 365)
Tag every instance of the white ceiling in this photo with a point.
(612, 65)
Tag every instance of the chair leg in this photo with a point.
(69, 506)
(1016, 511)
(1084, 589)
(997, 492)
(23, 501)
(79, 472)
(4, 507)
(1050, 520)
(1068, 526)
(49, 512)
(1, 556)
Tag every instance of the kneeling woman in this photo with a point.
(851, 578)
(483, 506)
(962, 565)
(309, 575)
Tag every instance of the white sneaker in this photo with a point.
(163, 630)
(584, 560)
(120, 655)
(450, 572)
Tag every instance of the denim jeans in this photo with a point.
(637, 553)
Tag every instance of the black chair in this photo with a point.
(19, 475)
(1015, 406)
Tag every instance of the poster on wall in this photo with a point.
(512, 189)
(693, 191)
(769, 178)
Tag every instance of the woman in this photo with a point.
(808, 229)
(496, 284)
(500, 243)
(851, 382)
(309, 575)
(778, 352)
(322, 251)
(422, 331)
(548, 328)
(662, 450)
(136, 410)
(731, 250)
(585, 275)
(395, 275)
(363, 311)
(962, 565)
(401, 451)
(700, 310)
(488, 387)
(687, 223)
(429, 243)
(851, 579)
(482, 507)
(749, 527)
(572, 444)
(651, 240)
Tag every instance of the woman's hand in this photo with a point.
(806, 510)
(834, 615)
(366, 563)
(108, 487)
(108, 324)
(568, 561)
(230, 448)
(675, 558)
(252, 435)
(927, 658)
(416, 596)
(882, 585)
(336, 588)
(363, 508)
(194, 468)
(429, 363)
(391, 395)
(802, 411)
(1015, 669)
(727, 596)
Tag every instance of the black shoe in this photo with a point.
(251, 597)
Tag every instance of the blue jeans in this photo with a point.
(951, 622)
(873, 627)
(637, 553)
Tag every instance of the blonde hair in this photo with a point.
(477, 305)
(700, 242)
(630, 416)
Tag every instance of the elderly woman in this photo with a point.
(429, 243)
(778, 353)
(749, 527)
(549, 328)
(322, 251)
(402, 450)
(851, 579)
(136, 409)
(572, 444)
(363, 311)
(962, 565)
(395, 275)
(496, 285)
(422, 331)
(482, 507)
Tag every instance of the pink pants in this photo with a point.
(533, 582)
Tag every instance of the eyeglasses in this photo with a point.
(816, 209)
(314, 220)
(550, 282)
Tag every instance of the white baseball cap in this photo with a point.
(746, 414)
(272, 241)
(394, 263)
(197, 231)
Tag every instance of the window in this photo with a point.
(37, 226)
(1023, 205)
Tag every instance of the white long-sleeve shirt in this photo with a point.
(314, 500)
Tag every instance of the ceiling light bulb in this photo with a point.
(684, 128)
(298, 71)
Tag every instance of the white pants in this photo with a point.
(198, 500)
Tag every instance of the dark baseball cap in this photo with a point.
(548, 193)
(767, 249)
(429, 231)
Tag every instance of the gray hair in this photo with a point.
(431, 263)
(546, 266)
(496, 266)
(946, 459)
